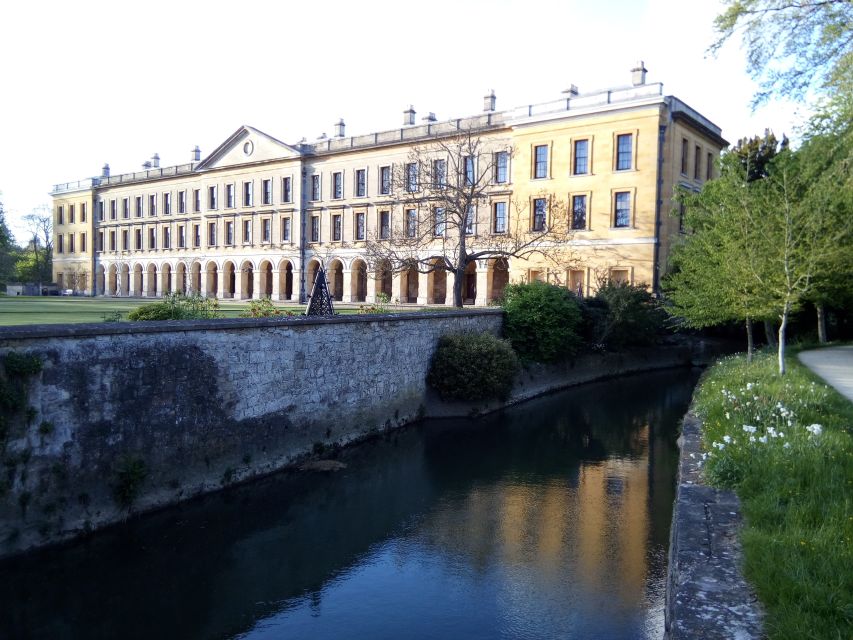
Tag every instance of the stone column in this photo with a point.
(238, 284)
(220, 283)
(256, 284)
(144, 291)
(423, 287)
(173, 280)
(396, 288)
(297, 285)
(483, 277)
(370, 296)
(202, 283)
(275, 294)
(347, 276)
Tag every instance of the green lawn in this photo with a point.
(61, 310)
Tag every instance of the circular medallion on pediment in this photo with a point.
(248, 148)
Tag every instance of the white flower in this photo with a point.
(763, 439)
(752, 438)
(727, 439)
(814, 429)
(772, 432)
(728, 417)
(749, 428)
(719, 445)
(787, 445)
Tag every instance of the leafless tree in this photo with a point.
(447, 189)
(40, 227)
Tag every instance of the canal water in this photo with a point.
(550, 520)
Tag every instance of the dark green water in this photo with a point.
(548, 521)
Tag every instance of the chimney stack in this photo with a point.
(146, 165)
(638, 74)
(196, 154)
(105, 170)
(339, 128)
(489, 101)
(155, 161)
(572, 90)
(409, 116)
(430, 117)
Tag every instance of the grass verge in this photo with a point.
(785, 445)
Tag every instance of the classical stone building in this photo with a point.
(258, 216)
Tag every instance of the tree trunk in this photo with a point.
(458, 280)
(782, 326)
(750, 344)
(821, 323)
(770, 332)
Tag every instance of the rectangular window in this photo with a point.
(337, 185)
(285, 229)
(439, 174)
(580, 165)
(540, 161)
(619, 276)
(70, 243)
(152, 238)
(286, 190)
(112, 240)
(83, 210)
(125, 240)
(125, 208)
(384, 180)
(267, 191)
(71, 214)
(196, 200)
(212, 198)
(359, 226)
(182, 237)
(229, 233)
(624, 151)
(249, 194)
(412, 177)
(196, 235)
(469, 220)
(167, 238)
(229, 196)
(60, 216)
(60, 244)
(578, 212)
(384, 225)
(100, 241)
(266, 230)
(501, 167)
(684, 156)
(697, 161)
(211, 234)
(360, 183)
(468, 168)
(411, 223)
(100, 210)
(622, 213)
(138, 245)
(315, 228)
(112, 209)
(182, 201)
(709, 167)
(139, 208)
(167, 204)
(336, 228)
(315, 187)
(152, 205)
(499, 217)
(439, 223)
(540, 214)
(247, 231)
(576, 278)
(82, 243)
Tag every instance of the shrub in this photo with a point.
(130, 473)
(542, 321)
(176, 306)
(380, 306)
(264, 308)
(622, 315)
(469, 366)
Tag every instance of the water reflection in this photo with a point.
(549, 521)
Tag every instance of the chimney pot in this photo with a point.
(196, 157)
(489, 101)
(155, 161)
(409, 116)
(105, 170)
(340, 128)
(638, 74)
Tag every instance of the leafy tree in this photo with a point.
(8, 250)
(36, 260)
(621, 315)
(791, 47)
(542, 321)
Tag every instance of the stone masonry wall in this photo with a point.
(154, 413)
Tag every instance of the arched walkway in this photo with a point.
(409, 285)
(181, 278)
(311, 275)
(469, 284)
(111, 280)
(166, 279)
(137, 280)
(228, 280)
(247, 280)
(152, 281)
(500, 278)
(265, 288)
(335, 276)
(437, 282)
(384, 278)
(100, 278)
(212, 280)
(195, 278)
(285, 280)
(358, 281)
(124, 288)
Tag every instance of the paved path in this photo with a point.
(833, 364)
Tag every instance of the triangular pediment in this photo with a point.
(247, 145)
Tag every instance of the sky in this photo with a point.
(83, 83)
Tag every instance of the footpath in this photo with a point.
(833, 364)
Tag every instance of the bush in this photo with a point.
(542, 321)
(622, 315)
(264, 308)
(470, 366)
(176, 306)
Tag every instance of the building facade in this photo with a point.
(258, 217)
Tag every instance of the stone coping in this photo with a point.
(85, 330)
(706, 593)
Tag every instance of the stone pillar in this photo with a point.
(370, 296)
(256, 284)
(448, 290)
(423, 287)
(396, 288)
(483, 273)
(275, 294)
(238, 284)
(347, 276)
(220, 283)
(297, 285)
(202, 283)
(144, 291)
(173, 280)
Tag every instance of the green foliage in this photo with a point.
(111, 316)
(130, 473)
(622, 315)
(264, 308)
(785, 445)
(472, 367)
(542, 321)
(176, 306)
(8, 251)
(380, 306)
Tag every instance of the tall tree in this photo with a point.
(37, 258)
(791, 46)
(448, 183)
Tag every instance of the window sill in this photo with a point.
(622, 228)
